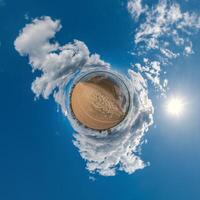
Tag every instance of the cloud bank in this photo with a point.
(59, 66)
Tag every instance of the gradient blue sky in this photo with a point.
(37, 157)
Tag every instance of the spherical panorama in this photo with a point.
(99, 100)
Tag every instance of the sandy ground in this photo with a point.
(96, 105)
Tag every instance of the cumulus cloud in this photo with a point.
(164, 34)
(59, 66)
(119, 150)
(54, 61)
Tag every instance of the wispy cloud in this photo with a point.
(136, 8)
(166, 21)
(164, 34)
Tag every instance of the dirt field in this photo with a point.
(96, 105)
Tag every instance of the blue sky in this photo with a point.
(38, 158)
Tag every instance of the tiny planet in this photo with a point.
(100, 100)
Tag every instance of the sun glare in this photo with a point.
(175, 106)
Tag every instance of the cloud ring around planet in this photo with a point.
(114, 78)
(118, 146)
(59, 66)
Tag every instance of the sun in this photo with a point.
(175, 106)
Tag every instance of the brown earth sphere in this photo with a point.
(96, 105)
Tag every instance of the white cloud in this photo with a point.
(159, 21)
(164, 34)
(169, 54)
(92, 178)
(119, 150)
(166, 22)
(26, 16)
(53, 60)
(188, 50)
(104, 153)
(151, 70)
(135, 8)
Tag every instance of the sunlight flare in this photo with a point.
(175, 106)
